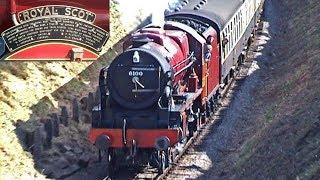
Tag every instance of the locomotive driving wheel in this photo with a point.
(163, 161)
(193, 122)
(109, 157)
(160, 159)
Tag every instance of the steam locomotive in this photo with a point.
(160, 90)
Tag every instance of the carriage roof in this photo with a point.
(213, 11)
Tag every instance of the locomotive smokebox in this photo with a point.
(137, 77)
(155, 60)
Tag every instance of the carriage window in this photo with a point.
(239, 30)
(229, 44)
(227, 47)
(240, 21)
(236, 35)
(241, 24)
(231, 32)
(235, 29)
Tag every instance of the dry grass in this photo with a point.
(16, 69)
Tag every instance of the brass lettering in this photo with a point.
(53, 11)
(56, 10)
(33, 13)
(74, 12)
(26, 15)
(47, 12)
(88, 14)
(40, 10)
(81, 14)
(68, 11)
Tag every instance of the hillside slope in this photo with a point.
(286, 142)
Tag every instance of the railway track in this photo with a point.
(214, 117)
(152, 173)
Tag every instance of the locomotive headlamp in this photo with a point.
(168, 91)
(136, 57)
(169, 74)
(162, 143)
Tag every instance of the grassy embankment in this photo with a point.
(287, 142)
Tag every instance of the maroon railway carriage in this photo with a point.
(167, 81)
(53, 29)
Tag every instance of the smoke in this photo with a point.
(132, 12)
(159, 9)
